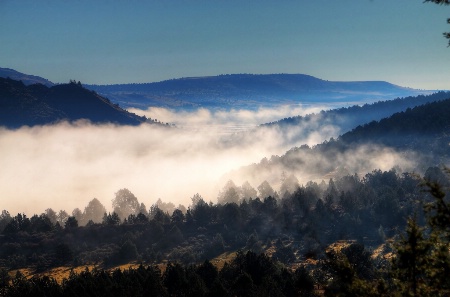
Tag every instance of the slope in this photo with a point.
(38, 105)
(346, 118)
(413, 139)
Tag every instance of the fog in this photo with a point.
(226, 122)
(64, 166)
(307, 165)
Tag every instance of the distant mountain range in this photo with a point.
(248, 91)
(38, 104)
(36, 100)
(238, 91)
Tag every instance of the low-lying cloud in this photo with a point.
(64, 166)
(226, 121)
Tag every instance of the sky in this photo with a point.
(107, 42)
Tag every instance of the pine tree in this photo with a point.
(411, 266)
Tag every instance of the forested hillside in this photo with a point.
(418, 136)
(39, 105)
(347, 118)
(335, 236)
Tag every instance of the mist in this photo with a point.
(226, 122)
(64, 166)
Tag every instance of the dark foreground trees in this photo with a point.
(313, 241)
(248, 274)
(422, 263)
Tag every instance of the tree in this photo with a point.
(230, 215)
(438, 218)
(63, 253)
(422, 261)
(4, 280)
(288, 185)
(158, 215)
(71, 223)
(443, 2)
(303, 281)
(125, 203)
(111, 219)
(201, 211)
(284, 253)
(439, 209)
(78, 215)
(177, 217)
(5, 218)
(208, 272)
(266, 190)
(143, 209)
(62, 217)
(40, 223)
(174, 279)
(128, 251)
(229, 193)
(168, 207)
(18, 223)
(411, 263)
(94, 211)
(348, 273)
(247, 191)
(51, 214)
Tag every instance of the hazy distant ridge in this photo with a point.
(347, 118)
(27, 79)
(249, 91)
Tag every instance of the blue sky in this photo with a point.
(107, 42)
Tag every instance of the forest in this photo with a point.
(382, 234)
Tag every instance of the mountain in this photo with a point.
(248, 91)
(418, 137)
(39, 105)
(346, 118)
(424, 128)
(25, 78)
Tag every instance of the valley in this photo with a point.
(291, 189)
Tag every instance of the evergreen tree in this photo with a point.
(411, 264)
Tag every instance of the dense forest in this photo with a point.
(338, 237)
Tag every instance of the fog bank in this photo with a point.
(64, 166)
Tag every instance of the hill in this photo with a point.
(417, 138)
(25, 78)
(39, 105)
(347, 118)
(248, 91)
